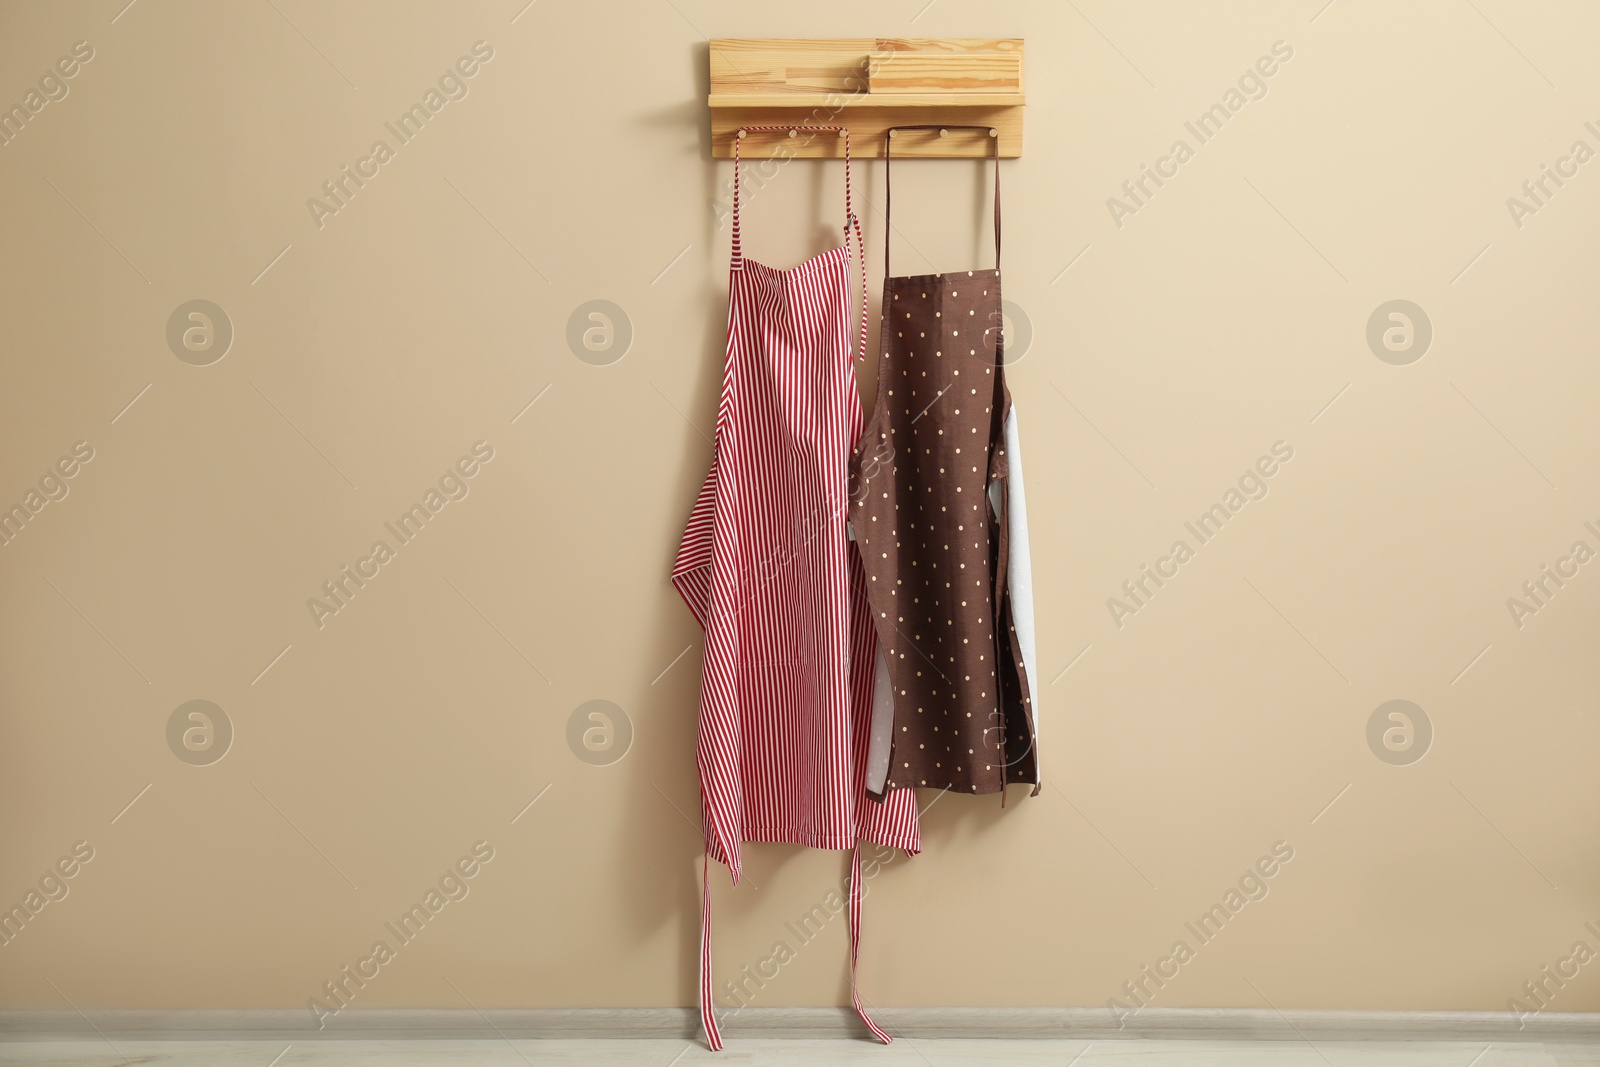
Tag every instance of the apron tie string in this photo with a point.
(855, 944)
(708, 1016)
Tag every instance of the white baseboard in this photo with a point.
(1222, 1024)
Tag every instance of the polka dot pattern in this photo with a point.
(932, 544)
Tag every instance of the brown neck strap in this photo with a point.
(888, 144)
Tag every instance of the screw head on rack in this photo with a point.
(993, 132)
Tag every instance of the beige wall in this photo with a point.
(1226, 314)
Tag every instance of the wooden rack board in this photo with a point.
(867, 84)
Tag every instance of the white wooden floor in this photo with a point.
(795, 1053)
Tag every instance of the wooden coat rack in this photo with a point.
(867, 84)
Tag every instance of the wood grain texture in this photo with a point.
(867, 129)
(923, 97)
(812, 65)
(946, 73)
(868, 84)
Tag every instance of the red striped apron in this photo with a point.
(767, 567)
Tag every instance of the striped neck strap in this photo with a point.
(851, 221)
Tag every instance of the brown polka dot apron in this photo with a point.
(931, 488)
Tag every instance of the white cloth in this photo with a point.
(1019, 576)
